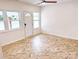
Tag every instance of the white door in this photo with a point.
(28, 22)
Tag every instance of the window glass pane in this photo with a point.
(1, 21)
(35, 16)
(36, 24)
(1, 16)
(13, 20)
(15, 24)
(2, 25)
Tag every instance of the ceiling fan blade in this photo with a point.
(50, 1)
(43, 1)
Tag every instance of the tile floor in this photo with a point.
(42, 47)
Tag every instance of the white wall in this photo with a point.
(60, 19)
(14, 35)
(11, 36)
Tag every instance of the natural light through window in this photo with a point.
(13, 20)
(2, 27)
(36, 20)
(37, 44)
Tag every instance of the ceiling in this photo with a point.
(30, 1)
(38, 1)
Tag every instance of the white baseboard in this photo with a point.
(38, 34)
(59, 36)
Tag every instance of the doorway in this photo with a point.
(29, 23)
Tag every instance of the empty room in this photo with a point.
(38, 29)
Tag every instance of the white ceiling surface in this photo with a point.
(38, 1)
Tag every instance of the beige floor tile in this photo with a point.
(42, 47)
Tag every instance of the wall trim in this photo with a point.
(58, 36)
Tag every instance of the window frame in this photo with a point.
(21, 19)
(19, 14)
(37, 20)
(3, 21)
(6, 22)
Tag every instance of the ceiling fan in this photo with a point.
(44, 1)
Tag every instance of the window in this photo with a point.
(13, 20)
(2, 27)
(36, 20)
